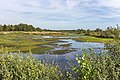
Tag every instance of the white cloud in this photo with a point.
(56, 5)
(112, 8)
(110, 3)
(72, 3)
(58, 11)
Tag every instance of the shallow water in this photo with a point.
(63, 59)
(61, 36)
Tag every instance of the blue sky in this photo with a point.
(61, 14)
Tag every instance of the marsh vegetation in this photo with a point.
(59, 55)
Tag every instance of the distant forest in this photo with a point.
(107, 33)
(19, 27)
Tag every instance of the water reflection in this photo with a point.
(64, 58)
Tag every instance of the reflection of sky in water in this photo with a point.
(60, 36)
(64, 58)
(80, 45)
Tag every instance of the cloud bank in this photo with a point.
(61, 14)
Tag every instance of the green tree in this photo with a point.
(1, 28)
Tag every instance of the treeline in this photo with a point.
(107, 33)
(19, 27)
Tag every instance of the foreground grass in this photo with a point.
(93, 39)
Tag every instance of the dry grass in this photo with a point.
(44, 33)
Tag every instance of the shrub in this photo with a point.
(97, 66)
(15, 67)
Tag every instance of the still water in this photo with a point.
(63, 59)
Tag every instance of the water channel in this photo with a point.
(63, 59)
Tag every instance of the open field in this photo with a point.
(24, 43)
(93, 39)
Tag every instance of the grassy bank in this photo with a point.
(93, 39)
(24, 43)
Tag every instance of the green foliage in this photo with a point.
(97, 66)
(19, 27)
(15, 67)
(104, 65)
(84, 70)
(114, 48)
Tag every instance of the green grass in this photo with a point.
(62, 51)
(24, 43)
(93, 39)
(65, 45)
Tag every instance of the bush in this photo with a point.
(15, 67)
(97, 66)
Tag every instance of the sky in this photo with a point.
(61, 14)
